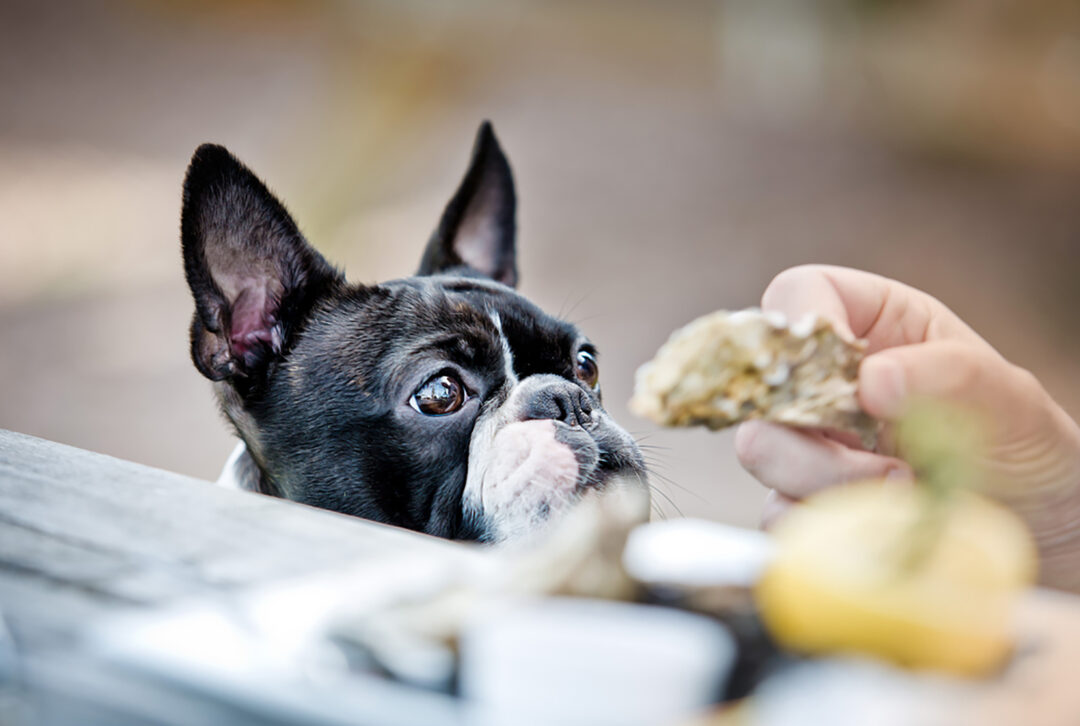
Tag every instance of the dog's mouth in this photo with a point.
(536, 470)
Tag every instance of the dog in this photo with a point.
(445, 403)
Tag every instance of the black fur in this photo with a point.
(318, 382)
(228, 213)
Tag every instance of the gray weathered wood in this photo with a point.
(83, 535)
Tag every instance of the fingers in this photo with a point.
(806, 289)
(885, 312)
(918, 349)
(798, 463)
(961, 373)
(775, 507)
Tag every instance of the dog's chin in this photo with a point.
(534, 472)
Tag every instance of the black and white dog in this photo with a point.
(446, 402)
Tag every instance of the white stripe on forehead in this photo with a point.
(508, 355)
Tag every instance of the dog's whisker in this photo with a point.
(667, 498)
(655, 509)
(566, 301)
(587, 318)
(656, 465)
(653, 447)
(674, 484)
(582, 298)
(640, 442)
(653, 488)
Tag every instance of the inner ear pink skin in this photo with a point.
(252, 320)
(529, 463)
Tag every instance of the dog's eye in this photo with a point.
(587, 370)
(439, 396)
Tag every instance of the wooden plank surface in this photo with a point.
(84, 535)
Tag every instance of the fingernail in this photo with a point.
(882, 387)
(899, 473)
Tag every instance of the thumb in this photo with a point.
(973, 376)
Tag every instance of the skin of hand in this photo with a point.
(919, 349)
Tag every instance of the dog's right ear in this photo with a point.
(477, 230)
(253, 275)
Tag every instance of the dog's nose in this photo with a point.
(560, 400)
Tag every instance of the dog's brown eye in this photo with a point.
(439, 396)
(587, 370)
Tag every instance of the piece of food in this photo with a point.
(843, 579)
(727, 367)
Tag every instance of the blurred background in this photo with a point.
(670, 159)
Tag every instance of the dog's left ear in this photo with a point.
(252, 274)
(477, 229)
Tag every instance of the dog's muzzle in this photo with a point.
(532, 457)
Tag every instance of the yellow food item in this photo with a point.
(843, 580)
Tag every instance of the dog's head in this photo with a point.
(444, 402)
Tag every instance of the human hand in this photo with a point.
(920, 349)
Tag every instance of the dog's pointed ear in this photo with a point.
(477, 230)
(253, 275)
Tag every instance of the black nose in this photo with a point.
(559, 400)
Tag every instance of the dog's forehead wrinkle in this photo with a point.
(392, 334)
(528, 332)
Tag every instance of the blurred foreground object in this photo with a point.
(923, 574)
(1038, 688)
(592, 663)
(214, 614)
(839, 581)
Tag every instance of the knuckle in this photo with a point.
(959, 367)
(967, 366)
(979, 371)
(1026, 381)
